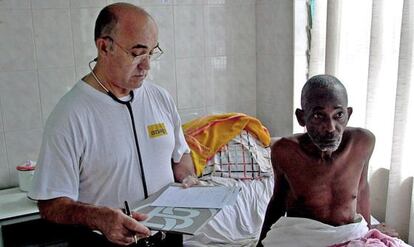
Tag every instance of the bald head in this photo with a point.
(109, 17)
(325, 87)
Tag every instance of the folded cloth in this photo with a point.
(206, 135)
(243, 157)
(374, 238)
(303, 232)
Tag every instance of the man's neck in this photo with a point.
(96, 83)
(89, 79)
(326, 155)
(312, 150)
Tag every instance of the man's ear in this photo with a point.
(103, 46)
(350, 110)
(300, 116)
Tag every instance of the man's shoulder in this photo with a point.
(69, 107)
(360, 134)
(287, 139)
(157, 92)
(287, 143)
(72, 101)
(155, 88)
(359, 138)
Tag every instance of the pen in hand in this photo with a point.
(128, 212)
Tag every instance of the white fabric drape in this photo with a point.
(368, 45)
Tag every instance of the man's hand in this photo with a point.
(384, 228)
(113, 223)
(184, 171)
(190, 180)
(120, 228)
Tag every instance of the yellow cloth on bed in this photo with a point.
(206, 135)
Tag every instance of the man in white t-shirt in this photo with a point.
(113, 137)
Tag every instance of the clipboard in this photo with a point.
(173, 219)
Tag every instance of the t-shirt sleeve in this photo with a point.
(181, 146)
(57, 171)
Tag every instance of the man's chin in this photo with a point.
(328, 148)
(137, 81)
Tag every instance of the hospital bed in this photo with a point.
(239, 224)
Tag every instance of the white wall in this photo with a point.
(209, 63)
(275, 64)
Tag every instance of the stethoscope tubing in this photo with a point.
(127, 103)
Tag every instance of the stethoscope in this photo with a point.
(127, 103)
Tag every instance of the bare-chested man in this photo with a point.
(322, 174)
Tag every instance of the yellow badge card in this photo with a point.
(156, 130)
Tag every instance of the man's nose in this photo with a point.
(330, 126)
(145, 63)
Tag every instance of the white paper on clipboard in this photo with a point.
(197, 197)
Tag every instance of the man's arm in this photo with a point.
(275, 209)
(184, 171)
(277, 204)
(363, 202)
(113, 223)
(363, 199)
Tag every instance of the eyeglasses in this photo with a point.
(154, 54)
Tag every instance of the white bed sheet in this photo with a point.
(239, 224)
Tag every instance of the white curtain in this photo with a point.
(368, 45)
